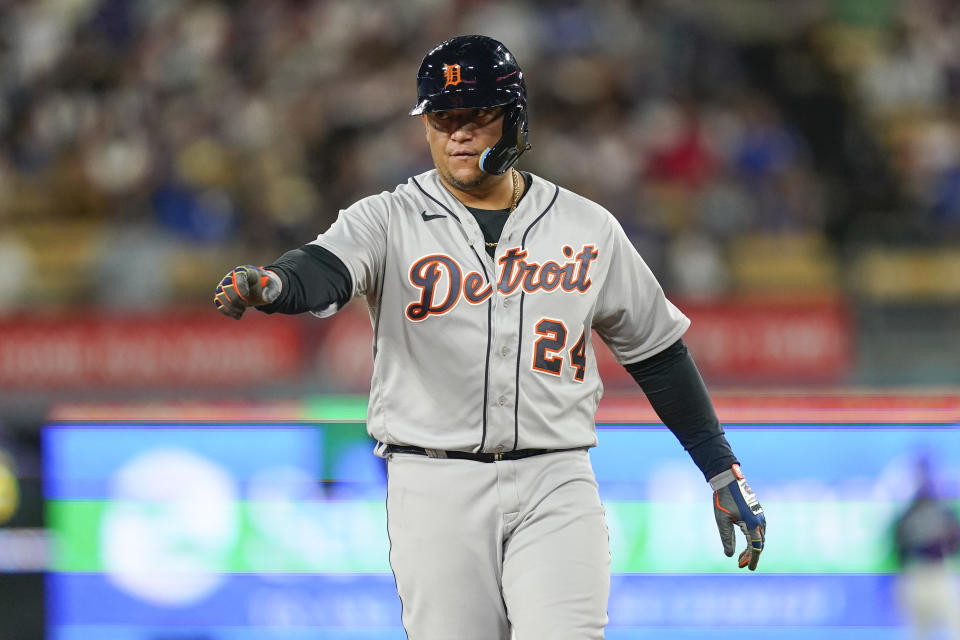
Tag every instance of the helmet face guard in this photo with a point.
(472, 72)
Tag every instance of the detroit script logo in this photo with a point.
(427, 273)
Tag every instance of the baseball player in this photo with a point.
(484, 284)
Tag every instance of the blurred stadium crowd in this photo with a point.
(747, 147)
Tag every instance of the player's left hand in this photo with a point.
(735, 504)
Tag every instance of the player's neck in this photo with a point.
(496, 193)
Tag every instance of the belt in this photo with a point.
(464, 455)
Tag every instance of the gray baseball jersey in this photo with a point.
(473, 353)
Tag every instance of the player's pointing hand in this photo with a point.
(735, 504)
(245, 286)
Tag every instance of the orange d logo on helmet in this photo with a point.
(451, 73)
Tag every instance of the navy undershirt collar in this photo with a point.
(491, 221)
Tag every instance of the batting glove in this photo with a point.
(735, 504)
(246, 286)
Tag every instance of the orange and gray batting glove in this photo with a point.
(735, 504)
(246, 286)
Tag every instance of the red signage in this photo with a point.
(780, 343)
(135, 351)
(731, 343)
(771, 342)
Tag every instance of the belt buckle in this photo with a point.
(498, 456)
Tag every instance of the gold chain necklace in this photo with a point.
(516, 197)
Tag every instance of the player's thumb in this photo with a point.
(263, 286)
(270, 286)
(725, 527)
(242, 277)
(248, 285)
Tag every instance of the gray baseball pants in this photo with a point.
(482, 549)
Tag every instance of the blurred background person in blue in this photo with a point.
(927, 537)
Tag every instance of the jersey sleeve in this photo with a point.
(359, 239)
(633, 316)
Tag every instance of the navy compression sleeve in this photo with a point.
(313, 279)
(676, 392)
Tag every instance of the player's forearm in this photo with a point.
(676, 392)
(313, 279)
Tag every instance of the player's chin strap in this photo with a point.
(501, 156)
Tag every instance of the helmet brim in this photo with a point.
(466, 98)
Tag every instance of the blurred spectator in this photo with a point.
(17, 263)
(134, 260)
(250, 124)
(905, 78)
(926, 537)
(905, 74)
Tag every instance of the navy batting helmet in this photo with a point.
(471, 72)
